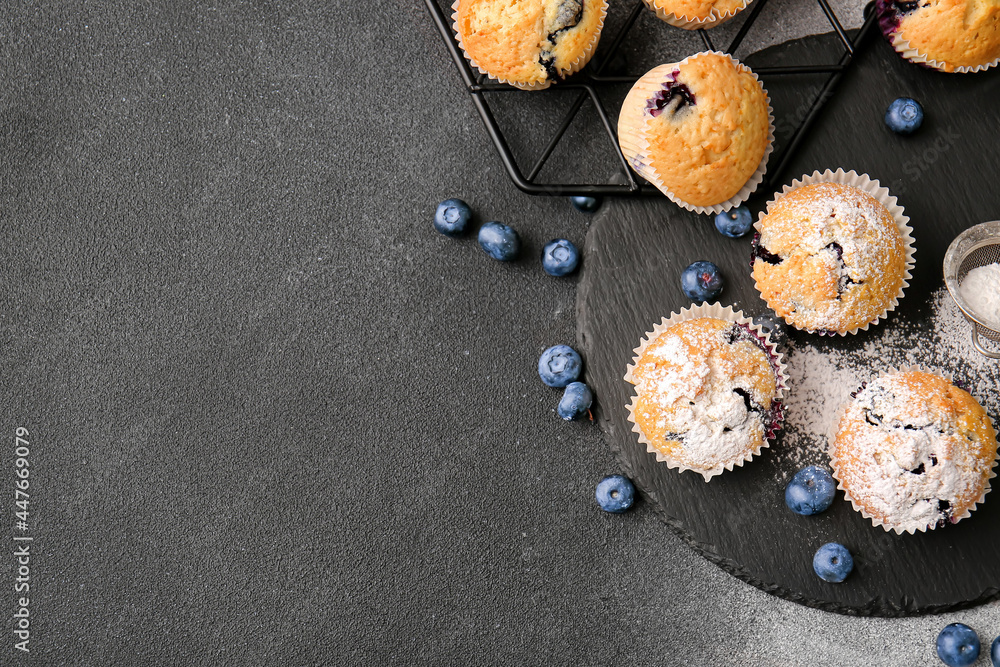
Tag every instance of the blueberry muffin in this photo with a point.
(531, 43)
(912, 451)
(947, 35)
(693, 14)
(707, 393)
(829, 258)
(699, 130)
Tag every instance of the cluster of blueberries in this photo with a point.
(560, 365)
(501, 242)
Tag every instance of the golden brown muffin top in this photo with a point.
(914, 451)
(830, 258)
(705, 389)
(957, 33)
(528, 41)
(706, 129)
(698, 9)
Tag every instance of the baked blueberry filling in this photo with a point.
(740, 391)
(891, 12)
(568, 15)
(845, 279)
(944, 508)
(770, 418)
(664, 98)
(762, 253)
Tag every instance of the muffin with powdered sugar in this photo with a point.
(830, 258)
(913, 452)
(708, 391)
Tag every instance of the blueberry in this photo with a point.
(701, 281)
(735, 222)
(575, 401)
(904, 116)
(995, 652)
(615, 493)
(810, 491)
(774, 327)
(958, 645)
(560, 257)
(586, 204)
(833, 562)
(499, 241)
(452, 217)
(559, 365)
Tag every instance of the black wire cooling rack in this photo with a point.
(592, 83)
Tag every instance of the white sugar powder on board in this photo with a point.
(822, 377)
(981, 291)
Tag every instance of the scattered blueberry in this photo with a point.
(586, 204)
(615, 493)
(810, 491)
(701, 281)
(995, 652)
(499, 241)
(452, 217)
(560, 257)
(559, 365)
(734, 223)
(904, 116)
(958, 645)
(833, 562)
(773, 327)
(575, 401)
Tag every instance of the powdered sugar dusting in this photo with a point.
(910, 466)
(821, 376)
(706, 412)
(981, 291)
(835, 257)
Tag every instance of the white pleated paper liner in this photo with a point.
(776, 359)
(835, 461)
(881, 194)
(633, 128)
(693, 23)
(579, 63)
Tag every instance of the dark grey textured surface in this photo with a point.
(275, 419)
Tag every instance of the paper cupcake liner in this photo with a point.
(835, 463)
(632, 121)
(695, 23)
(872, 187)
(889, 24)
(578, 64)
(718, 311)
(635, 147)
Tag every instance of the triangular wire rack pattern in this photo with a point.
(591, 82)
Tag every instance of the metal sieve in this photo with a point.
(975, 247)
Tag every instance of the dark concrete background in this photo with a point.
(275, 419)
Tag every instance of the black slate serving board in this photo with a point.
(946, 177)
